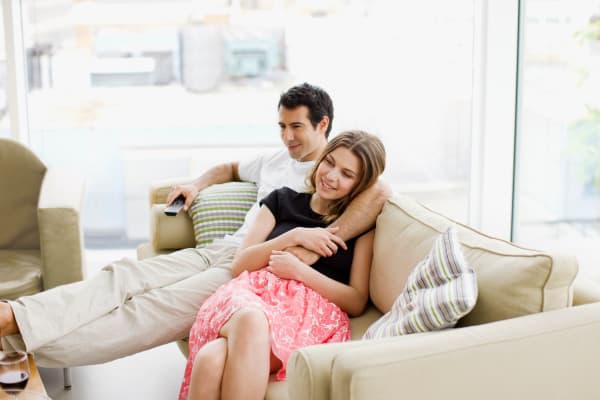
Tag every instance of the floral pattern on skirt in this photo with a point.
(297, 316)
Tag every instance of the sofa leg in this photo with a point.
(67, 378)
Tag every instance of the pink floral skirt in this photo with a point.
(297, 316)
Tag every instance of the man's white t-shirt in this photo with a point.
(270, 172)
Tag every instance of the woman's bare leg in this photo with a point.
(207, 372)
(8, 325)
(246, 373)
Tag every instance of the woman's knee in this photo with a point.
(251, 321)
(210, 360)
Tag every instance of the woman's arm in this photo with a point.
(359, 216)
(254, 251)
(251, 255)
(351, 298)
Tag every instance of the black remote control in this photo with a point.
(173, 208)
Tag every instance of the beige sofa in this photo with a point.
(534, 333)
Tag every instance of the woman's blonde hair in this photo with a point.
(371, 153)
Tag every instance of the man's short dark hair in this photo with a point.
(317, 101)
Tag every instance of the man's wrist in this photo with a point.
(198, 186)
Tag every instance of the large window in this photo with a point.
(558, 168)
(131, 92)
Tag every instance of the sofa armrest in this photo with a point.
(308, 370)
(540, 356)
(61, 234)
(585, 291)
(170, 232)
(311, 366)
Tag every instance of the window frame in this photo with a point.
(16, 89)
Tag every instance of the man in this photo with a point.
(130, 306)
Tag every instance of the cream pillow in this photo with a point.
(220, 210)
(439, 291)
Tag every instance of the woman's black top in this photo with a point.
(291, 210)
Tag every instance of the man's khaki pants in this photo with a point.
(127, 307)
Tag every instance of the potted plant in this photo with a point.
(584, 146)
(590, 34)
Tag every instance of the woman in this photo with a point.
(249, 327)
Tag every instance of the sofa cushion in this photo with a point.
(512, 280)
(440, 290)
(219, 210)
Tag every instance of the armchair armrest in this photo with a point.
(541, 356)
(61, 235)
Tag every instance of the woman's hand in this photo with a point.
(286, 265)
(322, 241)
(306, 256)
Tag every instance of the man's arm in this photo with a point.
(359, 216)
(362, 212)
(218, 174)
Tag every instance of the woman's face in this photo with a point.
(337, 174)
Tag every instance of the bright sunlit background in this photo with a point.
(131, 92)
(558, 159)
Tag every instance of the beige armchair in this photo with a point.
(41, 241)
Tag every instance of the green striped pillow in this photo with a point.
(439, 291)
(220, 210)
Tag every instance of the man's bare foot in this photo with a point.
(8, 325)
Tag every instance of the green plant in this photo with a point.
(584, 134)
(590, 32)
(584, 146)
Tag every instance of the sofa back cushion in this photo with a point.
(512, 280)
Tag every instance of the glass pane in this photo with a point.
(558, 193)
(131, 92)
(4, 122)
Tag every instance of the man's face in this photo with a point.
(304, 143)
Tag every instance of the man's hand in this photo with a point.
(285, 265)
(322, 241)
(306, 256)
(188, 191)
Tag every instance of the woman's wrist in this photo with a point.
(294, 237)
(303, 272)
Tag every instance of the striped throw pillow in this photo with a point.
(439, 291)
(219, 210)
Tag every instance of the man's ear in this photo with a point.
(324, 123)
